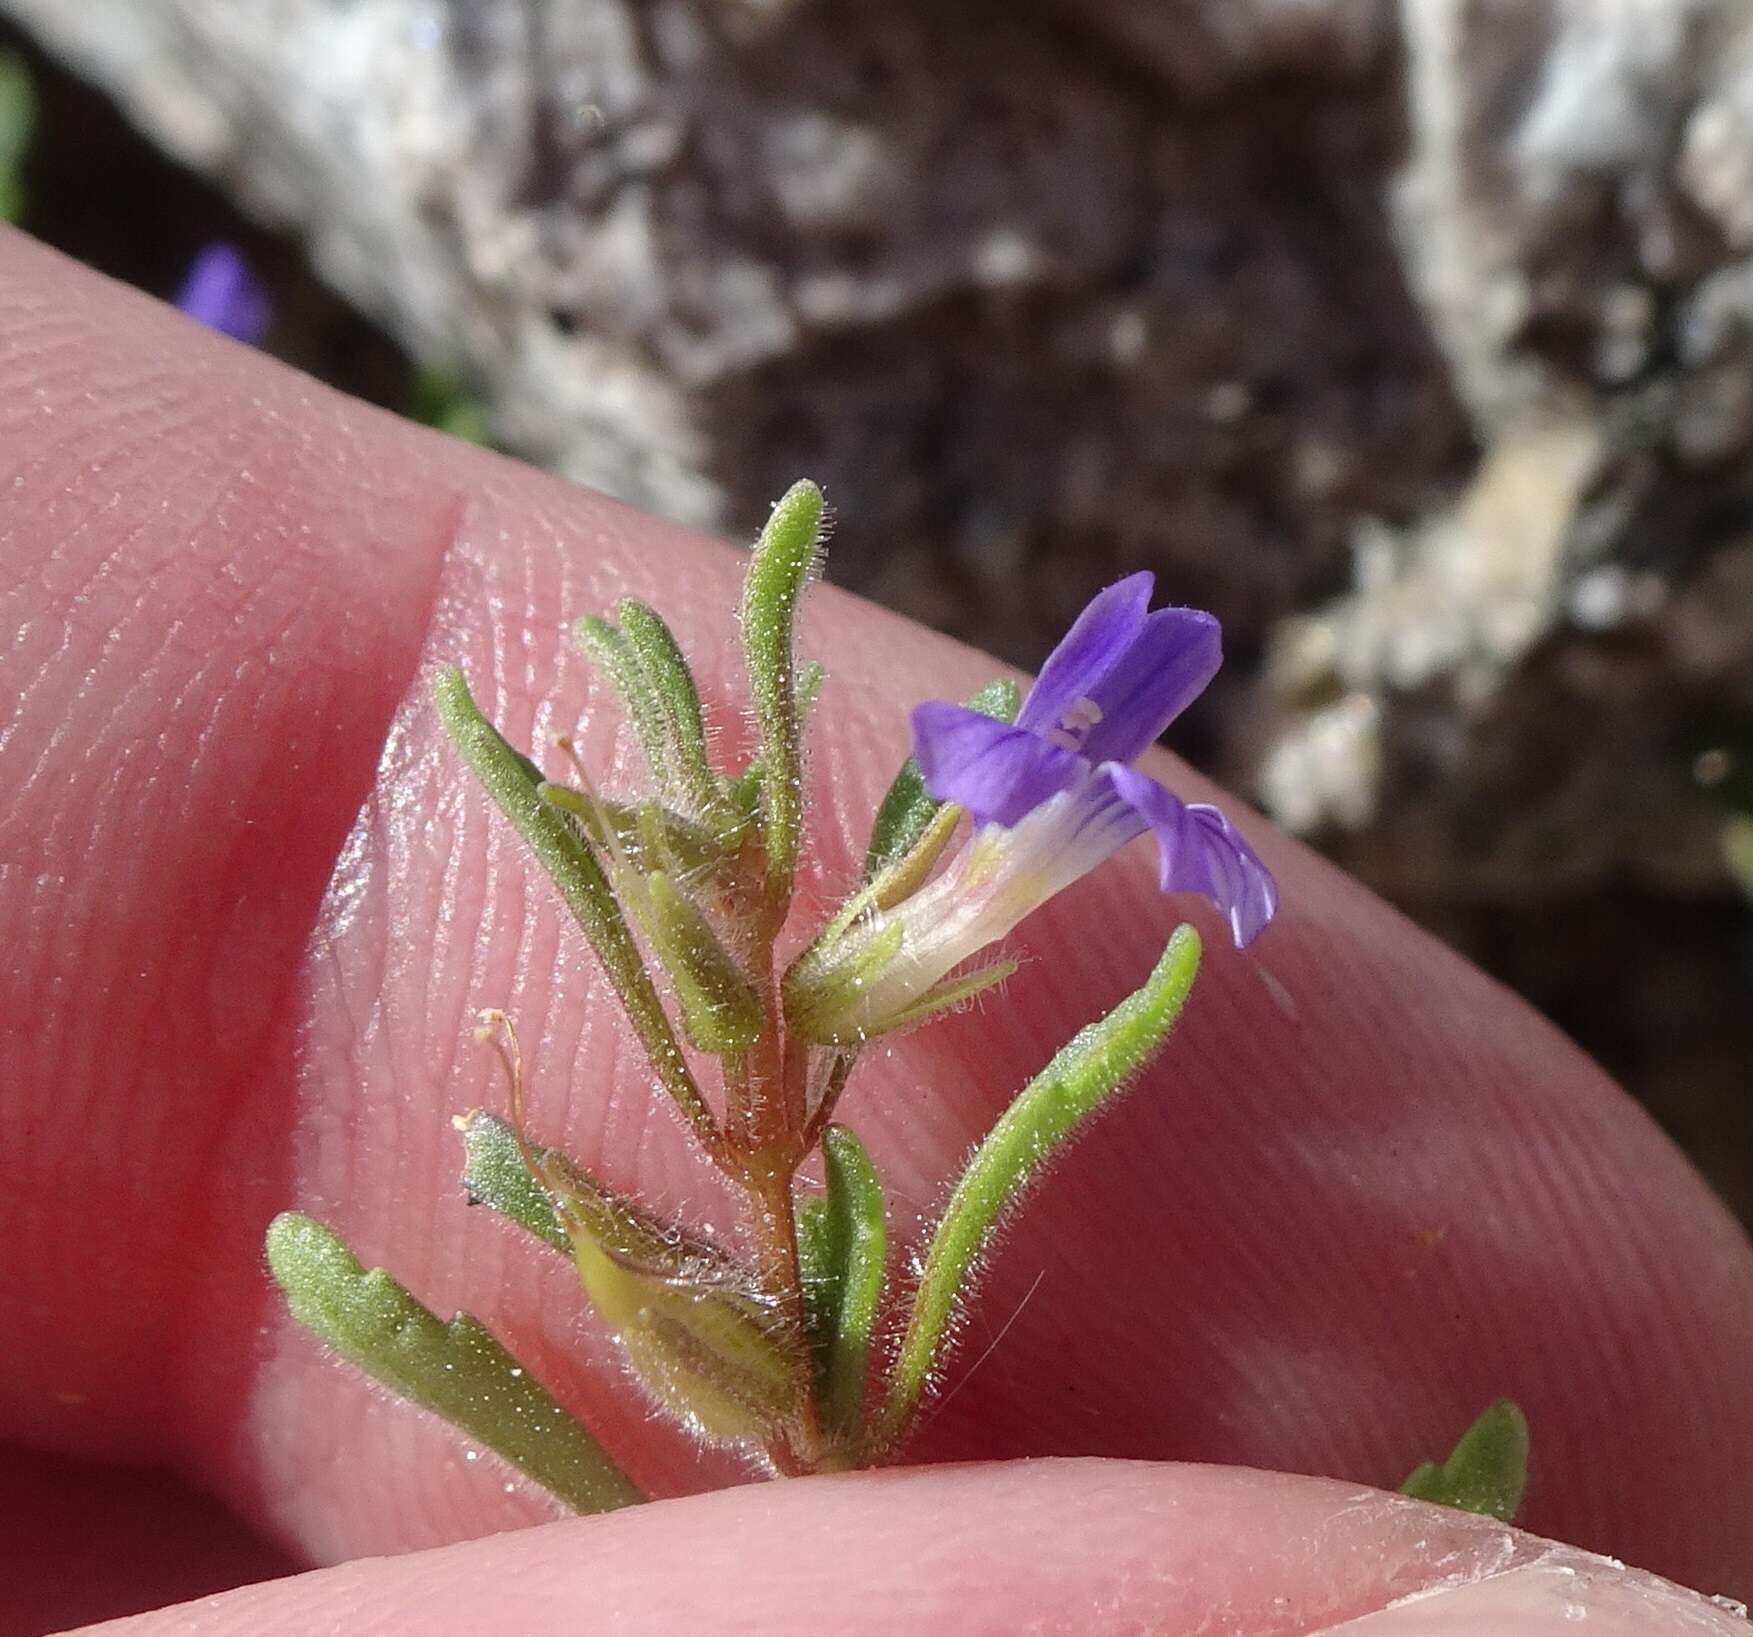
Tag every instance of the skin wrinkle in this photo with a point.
(522, 928)
(284, 1009)
(183, 680)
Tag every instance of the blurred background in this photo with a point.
(1414, 337)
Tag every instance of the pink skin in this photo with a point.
(252, 905)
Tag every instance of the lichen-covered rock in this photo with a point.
(1415, 338)
(1513, 696)
(1028, 310)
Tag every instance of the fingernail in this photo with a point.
(1556, 1593)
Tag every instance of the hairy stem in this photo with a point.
(776, 1225)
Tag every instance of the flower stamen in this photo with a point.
(1074, 724)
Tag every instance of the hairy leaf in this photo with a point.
(457, 1370)
(1091, 1070)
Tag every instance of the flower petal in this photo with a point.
(1203, 852)
(996, 771)
(1165, 669)
(1096, 642)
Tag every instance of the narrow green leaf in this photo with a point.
(779, 570)
(908, 808)
(720, 1009)
(672, 682)
(810, 677)
(743, 791)
(857, 1234)
(514, 783)
(821, 1256)
(495, 1174)
(1487, 1471)
(1088, 1072)
(438, 395)
(456, 1370)
(608, 648)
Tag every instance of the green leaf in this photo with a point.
(842, 1241)
(18, 120)
(439, 396)
(821, 1259)
(607, 647)
(720, 1009)
(810, 677)
(456, 1370)
(857, 1237)
(744, 790)
(514, 783)
(1088, 1072)
(1488, 1470)
(908, 808)
(496, 1173)
(672, 683)
(779, 569)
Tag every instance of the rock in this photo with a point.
(1044, 294)
(1029, 312)
(1204, 48)
(1511, 700)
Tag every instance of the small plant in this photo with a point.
(683, 889)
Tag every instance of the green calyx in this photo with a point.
(822, 989)
(720, 1010)
(694, 1326)
(825, 988)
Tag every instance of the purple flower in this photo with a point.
(221, 292)
(1119, 678)
(1051, 797)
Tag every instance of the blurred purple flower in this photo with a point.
(221, 292)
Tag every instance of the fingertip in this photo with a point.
(1088, 1548)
